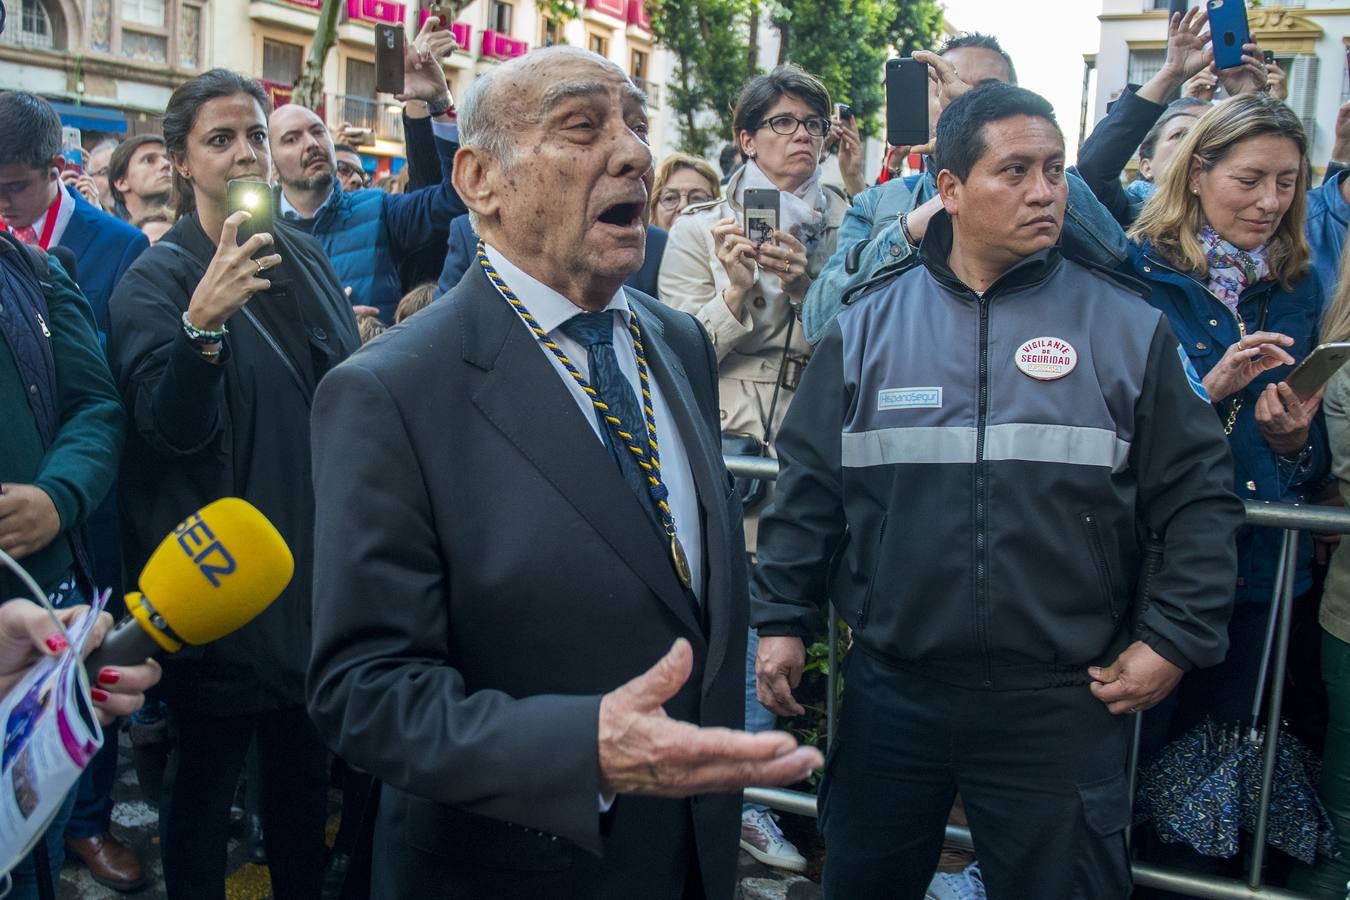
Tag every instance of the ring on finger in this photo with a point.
(261, 268)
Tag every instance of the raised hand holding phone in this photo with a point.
(233, 276)
(423, 77)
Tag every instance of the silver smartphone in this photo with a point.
(1319, 365)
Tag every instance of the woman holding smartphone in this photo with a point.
(217, 343)
(747, 295)
(1221, 249)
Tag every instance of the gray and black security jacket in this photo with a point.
(984, 527)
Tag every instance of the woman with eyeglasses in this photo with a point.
(681, 181)
(747, 296)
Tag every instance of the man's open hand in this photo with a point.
(644, 751)
(1137, 680)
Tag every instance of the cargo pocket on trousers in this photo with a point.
(1106, 805)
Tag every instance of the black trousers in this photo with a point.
(208, 755)
(1041, 772)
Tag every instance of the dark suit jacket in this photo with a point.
(463, 244)
(483, 576)
(104, 248)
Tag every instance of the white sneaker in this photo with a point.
(964, 885)
(763, 839)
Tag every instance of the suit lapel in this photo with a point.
(522, 395)
(705, 462)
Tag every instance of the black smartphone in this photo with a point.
(256, 198)
(389, 59)
(843, 111)
(1268, 56)
(1228, 30)
(761, 214)
(906, 102)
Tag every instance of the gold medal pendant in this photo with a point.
(681, 562)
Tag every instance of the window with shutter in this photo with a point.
(1303, 74)
(1144, 64)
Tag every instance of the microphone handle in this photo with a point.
(126, 645)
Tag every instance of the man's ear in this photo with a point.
(949, 189)
(55, 167)
(475, 182)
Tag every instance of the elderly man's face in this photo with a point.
(570, 202)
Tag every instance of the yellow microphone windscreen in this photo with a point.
(219, 568)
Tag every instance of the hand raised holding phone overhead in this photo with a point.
(423, 77)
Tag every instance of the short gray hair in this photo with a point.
(488, 125)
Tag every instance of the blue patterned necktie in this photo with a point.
(595, 332)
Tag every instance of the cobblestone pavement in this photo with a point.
(137, 823)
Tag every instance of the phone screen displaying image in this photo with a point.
(761, 214)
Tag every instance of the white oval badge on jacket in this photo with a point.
(1046, 358)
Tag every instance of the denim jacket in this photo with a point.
(1328, 217)
(1090, 234)
(1206, 328)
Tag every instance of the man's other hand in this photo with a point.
(1138, 680)
(644, 751)
(28, 519)
(778, 669)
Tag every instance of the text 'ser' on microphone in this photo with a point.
(220, 568)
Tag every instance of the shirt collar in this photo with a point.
(290, 212)
(65, 208)
(549, 308)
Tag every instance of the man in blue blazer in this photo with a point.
(40, 210)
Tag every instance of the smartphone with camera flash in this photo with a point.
(256, 198)
(761, 214)
(906, 102)
(1228, 31)
(843, 111)
(1319, 365)
(389, 58)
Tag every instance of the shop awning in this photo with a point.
(91, 118)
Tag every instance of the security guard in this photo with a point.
(982, 441)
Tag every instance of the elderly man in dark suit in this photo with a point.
(521, 506)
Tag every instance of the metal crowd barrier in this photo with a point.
(1289, 518)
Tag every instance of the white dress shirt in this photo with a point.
(551, 309)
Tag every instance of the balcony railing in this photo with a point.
(364, 112)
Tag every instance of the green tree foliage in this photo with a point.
(845, 43)
(710, 42)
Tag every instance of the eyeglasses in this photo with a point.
(787, 125)
(346, 170)
(669, 199)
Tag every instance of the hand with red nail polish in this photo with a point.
(27, 633)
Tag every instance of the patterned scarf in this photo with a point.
(1232, 270)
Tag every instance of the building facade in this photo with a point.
(110, 65)
(1310, 40)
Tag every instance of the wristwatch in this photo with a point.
(202, 335)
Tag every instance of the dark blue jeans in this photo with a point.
(1041, 772)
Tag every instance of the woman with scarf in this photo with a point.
(1221, 248)
(218, 341)
(747, 296)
